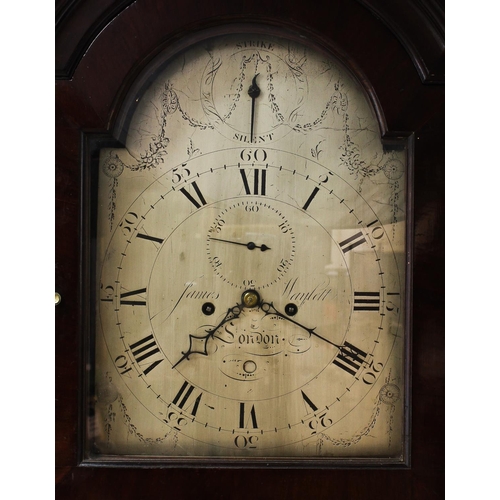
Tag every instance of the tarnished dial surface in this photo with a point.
(250, 264)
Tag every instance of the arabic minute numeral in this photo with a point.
(319, 423)
(248, 442)
(121, 363)
(130, 220)
(180, 173)
(390, 304)
(259, 155)
(371, 376)
(282, 265)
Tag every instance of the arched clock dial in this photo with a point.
(251, 290)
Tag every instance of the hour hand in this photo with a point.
(250, 245)
(198, 345)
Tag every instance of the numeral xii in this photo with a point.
(259, 181)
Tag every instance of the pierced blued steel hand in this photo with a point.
(198, 345)
(269, 308)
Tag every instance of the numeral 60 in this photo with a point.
(253, 155)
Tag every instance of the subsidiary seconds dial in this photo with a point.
(251, 243)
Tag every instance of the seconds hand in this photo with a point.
(251, 245)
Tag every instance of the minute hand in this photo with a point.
(269, 308)
(250, 245)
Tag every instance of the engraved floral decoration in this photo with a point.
(169, 99)
(361, 169)
(393, 169)
(112, 167)
(346, 443)
(389, 394)
(336, 106)
(111, 417)
(316, 151)
(155, 154)
(151, 158)
(350, 156)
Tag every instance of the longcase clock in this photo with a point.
(240, 287)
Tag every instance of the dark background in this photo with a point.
(398, 47)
